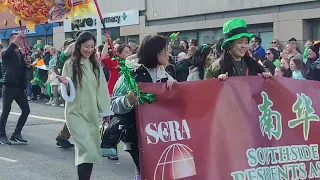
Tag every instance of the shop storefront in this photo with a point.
(211, 36)
(41, 32)
(112, 21)
(315, 29)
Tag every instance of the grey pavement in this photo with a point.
(41, 159)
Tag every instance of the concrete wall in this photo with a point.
(110, 6)
(58, 37)
(286, 24)
(162, 9)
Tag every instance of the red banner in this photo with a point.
(245, 128)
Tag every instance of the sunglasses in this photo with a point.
(273, 42)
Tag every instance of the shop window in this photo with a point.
(266, 38)
(50, 40)
(210, 36)
(31, 41)
(133, 38)
(184, 35)
(114, 33)
(187, 35)
(315, 29)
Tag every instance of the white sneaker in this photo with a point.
(50, 102)
(61, 105)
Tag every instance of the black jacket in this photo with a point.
(13, 68)
(46, 58)
(314, 71)
(254, 68)
(182, 70)
(29, 72)
(171, 70)
(128, 133)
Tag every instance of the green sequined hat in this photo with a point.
(235, 29)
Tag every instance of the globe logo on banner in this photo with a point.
(176, 161)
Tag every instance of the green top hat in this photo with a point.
(235, 29)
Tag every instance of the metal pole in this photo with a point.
(104, 27)
(99, 27)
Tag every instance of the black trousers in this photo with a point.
(8, 95)
(134, 152)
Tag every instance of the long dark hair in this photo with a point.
(299, 66)
(149, 50)
(121, 48)
(275, 53)
(187, 46)
(77, 68)
(226, 63)
(200, 57)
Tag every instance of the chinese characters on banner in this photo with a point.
(245, 128)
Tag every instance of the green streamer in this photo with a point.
(126, 72)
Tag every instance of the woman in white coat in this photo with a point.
(85, 90)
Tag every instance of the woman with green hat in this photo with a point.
(235, 59)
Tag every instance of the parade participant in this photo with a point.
(64, 135)
(200, 58)
(14, 84)
(235, 60)
(152, 56)
(65, 55)
(84, 74)
(122, 51)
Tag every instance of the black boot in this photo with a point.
(64, 143)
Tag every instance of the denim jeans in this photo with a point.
(29, 89)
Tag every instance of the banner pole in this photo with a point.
(104, 26)
(23, 39)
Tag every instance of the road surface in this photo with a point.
(41, 159)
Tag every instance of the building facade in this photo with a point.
(201, 19)
(42, 32)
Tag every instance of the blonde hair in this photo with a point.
(278, 42)
(182, 56)
(54, 50)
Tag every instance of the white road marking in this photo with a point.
(7, 159)
(40, 117)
